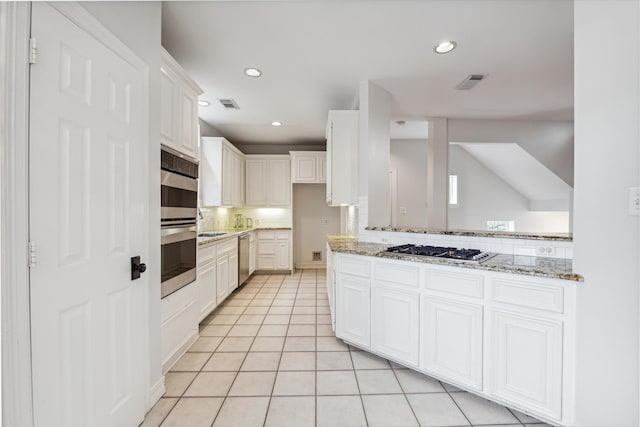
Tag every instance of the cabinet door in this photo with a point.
(228, 174)
(207, 292)
(353, 310)
(304, 168)
(256, 182)
(189, 123)
(237, 198)
(223, 274)
(252, 258)
(526, 361)
(395, 321)
(280, 182)
(168, 109)
(233, 271)
(282, 256)
(451, 340)
(322, 167)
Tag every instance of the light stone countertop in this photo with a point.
(555, 268)
(479, 233)
(231, 232)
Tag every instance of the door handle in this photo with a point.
(137, 267)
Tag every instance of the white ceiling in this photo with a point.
(314, 54)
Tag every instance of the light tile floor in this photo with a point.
(267, 357)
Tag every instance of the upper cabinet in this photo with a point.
(178, 108)
(342, 158)
(308, 167)
(268, 181)
(221, 173)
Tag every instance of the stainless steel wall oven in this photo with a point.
(179, 207)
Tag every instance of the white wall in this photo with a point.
(310, 212)
(373, 149)
(138, 25)
(606, 238)
(408, 161)
(484, 196)
(549, 141)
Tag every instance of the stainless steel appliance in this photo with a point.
(179, 207)
(243, 258)
(469, 255)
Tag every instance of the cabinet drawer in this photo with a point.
(266, 235)
(206, 254)
(282, 235)
(471, 285)
(528, 294)
(230, 245)
(354, 266)
(407, 275)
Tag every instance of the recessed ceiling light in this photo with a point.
(445, 47)
(203, 103)
(276, 123)
(253, 72)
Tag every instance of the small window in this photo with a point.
(501, 226)
(453, 189)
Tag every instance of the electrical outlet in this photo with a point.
(545, 250)
(634, 201)
(403, 210)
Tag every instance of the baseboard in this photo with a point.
(181, 350)
(156, 392)
(318, 265)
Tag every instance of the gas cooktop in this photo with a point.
(471, 255)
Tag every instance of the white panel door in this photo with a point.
(395, 319)
(305, 168)
(322, 167)
(222, 279)
(189, 123)
(451, 340)
(280, 182)
(228, 176)
(233, 271)
(256, 183)
(526, 361)
(168, 108)
(353, 310)
(207, 290)
(88, 216)
(282, 256)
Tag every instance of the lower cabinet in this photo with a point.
(451, 340)
(526, 361)
(233, 271)
(395, 319)
(252, 253)
(207, 293)
(274, 250)
(223, 275)
(353, 312)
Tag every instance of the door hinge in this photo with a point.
(32, 254)
(33, 50)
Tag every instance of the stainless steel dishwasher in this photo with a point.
(243, 258)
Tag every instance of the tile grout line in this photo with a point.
(404, 393)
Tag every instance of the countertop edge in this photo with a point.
(476, 233)
(229, 233)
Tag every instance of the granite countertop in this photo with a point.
(555, 268)
(479, 233)
(231, 232)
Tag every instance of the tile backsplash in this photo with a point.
(215, 218)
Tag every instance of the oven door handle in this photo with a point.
(178, 234)
(171, 179)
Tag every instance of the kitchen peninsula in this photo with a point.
(503, 328)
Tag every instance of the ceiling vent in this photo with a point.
(470, 81)
(229, 104)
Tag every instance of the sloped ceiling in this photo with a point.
(544, 189)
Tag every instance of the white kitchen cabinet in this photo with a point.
(526, 361)
(179, 324)
(395, 319)
(451, 340)
(353, 309)
(252, 252)
(268, 181)
(221, 173)
(308, 167)
(227, 265)
(274, 250)
(207, 292)
(178, 108)
(331, 285)
(342, 158)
